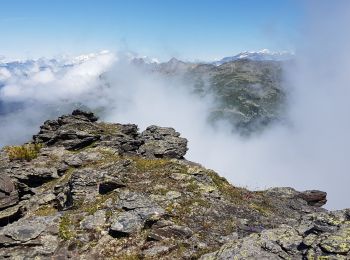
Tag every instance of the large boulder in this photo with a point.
(163, 142)
(314, 197)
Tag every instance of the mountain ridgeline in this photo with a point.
(86, 189)
(248, 94)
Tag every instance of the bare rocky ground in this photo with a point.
(98, 190)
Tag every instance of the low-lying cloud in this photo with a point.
(310, 152)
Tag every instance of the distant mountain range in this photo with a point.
(247, 87)
(262, 55)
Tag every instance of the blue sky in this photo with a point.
(192, 29)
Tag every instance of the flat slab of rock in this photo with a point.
(139, 209)
(160, 232)
(8, 192)
(26, 229)
(125, 223)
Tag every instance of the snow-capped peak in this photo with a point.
(30, 68)
(260, 55)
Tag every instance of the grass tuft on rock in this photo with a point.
(144, 164)
(65, 231)
(47, 210)
(25, 152)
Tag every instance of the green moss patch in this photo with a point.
(143, 164)
(65, 231)
(47, 210)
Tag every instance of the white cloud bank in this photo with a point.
(311, 153)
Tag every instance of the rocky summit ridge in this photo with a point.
(85, 189)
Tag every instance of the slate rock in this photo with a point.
(25, 230)
(170, 231)
(8, 192)
(125, 223)
(10, 214)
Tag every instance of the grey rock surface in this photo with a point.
(95, 221)
(125, 194)
(125, 223)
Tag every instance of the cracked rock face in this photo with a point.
(100, 190)
(8, 192)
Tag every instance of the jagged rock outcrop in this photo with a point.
(105, 191)
(163, 142)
